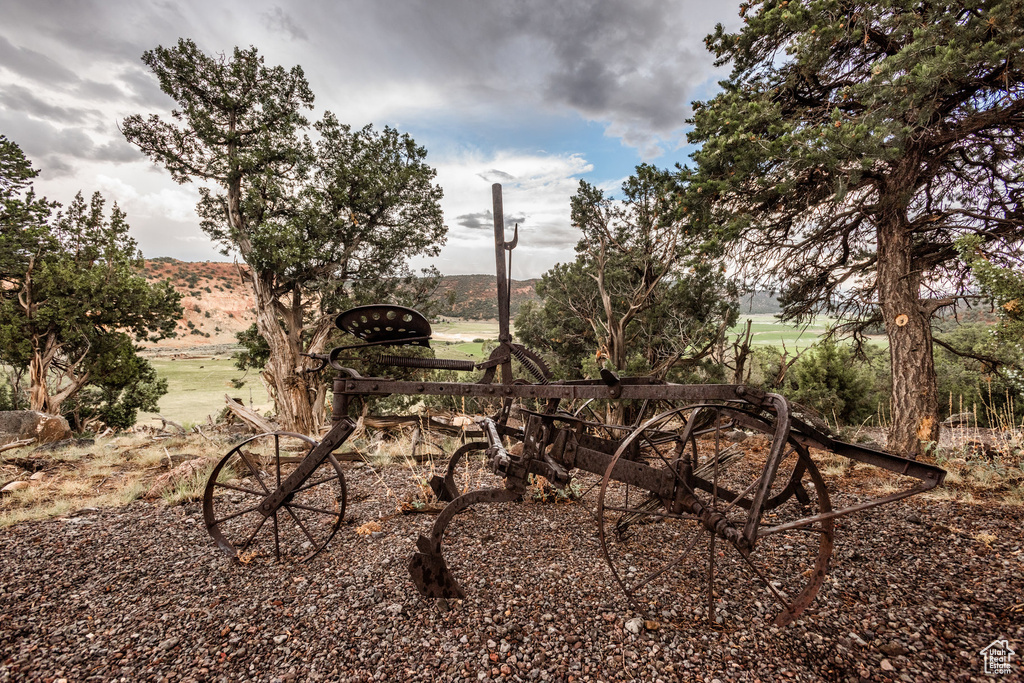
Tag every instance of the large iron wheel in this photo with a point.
(304, 523)
(666, 559)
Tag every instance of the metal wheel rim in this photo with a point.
(804, 469)
(214, 526)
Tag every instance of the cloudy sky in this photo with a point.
(534, 94)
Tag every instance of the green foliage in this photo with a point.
(322, 227)
(1003, 282)
(123, 384)
(767, 368)
(565, 341)
(255, 350)
(844, 118)
(831, 380)
(989, 384)
(644, 292)
(852, 145)
(73, 299)
(10, 397)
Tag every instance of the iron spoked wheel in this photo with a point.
(300, 528)
(663, 555)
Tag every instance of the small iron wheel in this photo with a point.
(300, 528)
(665, 558)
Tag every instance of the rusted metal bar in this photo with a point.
(332, 440)
(565, 390)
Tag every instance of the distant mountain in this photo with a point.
(216, 298)
(476, 296)
(218, 301)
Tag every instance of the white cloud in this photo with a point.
(536, 189)
(171, 203)
(454, 72)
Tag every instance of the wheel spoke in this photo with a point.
(668, 565)
(253, 536)
(306, 487)
(652, 513)
(669, 465)
(740, 495)
(245, 458)
(277, 458)
(301, 525)
(711, 577)
(277, 539)
(692, 441)
(771, 587)
(311, 509)
(718, 450)
(246, 511)
(317, 514)
(238, 488)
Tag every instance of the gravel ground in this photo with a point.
(917, 589)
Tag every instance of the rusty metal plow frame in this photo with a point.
(556, 443)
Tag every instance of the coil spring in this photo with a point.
(529, 364)
(428, 363)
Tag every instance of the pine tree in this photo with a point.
(850, 148)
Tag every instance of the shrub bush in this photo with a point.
(830, 379)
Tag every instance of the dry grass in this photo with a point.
(110, 473)
(983, 465)
(193, 487)
(395, 449)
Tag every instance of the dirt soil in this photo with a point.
(917, 589)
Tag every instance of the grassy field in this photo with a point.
(465, 330)
(196, 388)
(767, 330)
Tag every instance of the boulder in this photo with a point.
(958, 420)
(17, 425)
(736, 435)
(463, 422)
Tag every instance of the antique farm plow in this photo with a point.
(686, 505)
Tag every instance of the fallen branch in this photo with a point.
(424, 423)
(249, 417)
(17, 444)
(165, 421)
(353, 456)
(200, 433)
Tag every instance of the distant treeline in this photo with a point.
(475, 297)
(759, 302)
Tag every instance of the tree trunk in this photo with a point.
(915, 404)
(290, 390)
(39, 396)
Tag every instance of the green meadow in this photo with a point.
(767, 330)
(197, 386)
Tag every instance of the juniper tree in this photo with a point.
(313, 223)
(641, 293)
(73, 302)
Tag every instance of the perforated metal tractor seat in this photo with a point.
(386, 324)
